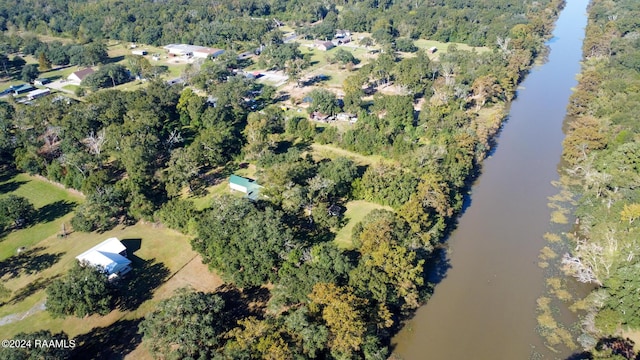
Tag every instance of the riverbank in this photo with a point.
(487, 303)
(602, 150)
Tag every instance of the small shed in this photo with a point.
(432, 50)
(41, 81)
(244, 185)
(139, 52)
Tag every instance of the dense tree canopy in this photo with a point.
(84, 291)
(159, 147)
(187, 325)
(246, 244)
(603, 156)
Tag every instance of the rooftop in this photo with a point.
(106, 255)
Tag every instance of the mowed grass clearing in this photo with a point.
(357, 211)
(163, 253)
(162, 262)
(220, 187)
(327, 151)
(53, 205)
(443, 47)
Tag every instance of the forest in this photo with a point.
(602, 149)
(245, 24)
(144, 155)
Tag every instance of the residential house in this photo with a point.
(109, 256)
(80, 75)
(139, 52)
(324, 45)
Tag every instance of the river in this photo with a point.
(485, 306)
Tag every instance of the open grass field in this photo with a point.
(53, 204)
(328, 151)
(117, 52)
(162, 262)
(443, 47)
(357, 210)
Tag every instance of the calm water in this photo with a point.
(485, 307)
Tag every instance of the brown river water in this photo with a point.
(485, 305)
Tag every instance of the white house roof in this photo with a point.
(106, 255)
(186, 49)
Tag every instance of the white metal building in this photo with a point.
(109, 256)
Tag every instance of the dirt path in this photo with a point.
(21, 316)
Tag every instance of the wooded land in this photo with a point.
(358, 182)
(602, 148)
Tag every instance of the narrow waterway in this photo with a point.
(485, 307)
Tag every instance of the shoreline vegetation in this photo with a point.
(602, 153)
(291, 290)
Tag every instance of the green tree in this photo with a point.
(33, 352)
(101, 210)
(303, 269)
(179, 214)
(405, 45)
(43, 63)
(342, 311)
(139, 65)
(190, 107)
(181, 170)
(344, 56)
(29, 73)
(323, 101)
(16, 211)
(84, 291)
(188, 325)
(234, 234)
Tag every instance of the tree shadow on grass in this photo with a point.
(111, 342)
(32, 288)
(28, 262)
(53, 211)
(10, 186)
(140, 283)
(6, 173)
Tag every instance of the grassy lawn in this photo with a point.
(54, 206)
(442, 47)
(71, 87)
(221, 187)
(357, 210)
(328, 151)
(162, 262)
(161, 255)
(59, 73)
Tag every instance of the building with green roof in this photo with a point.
(245, 185)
